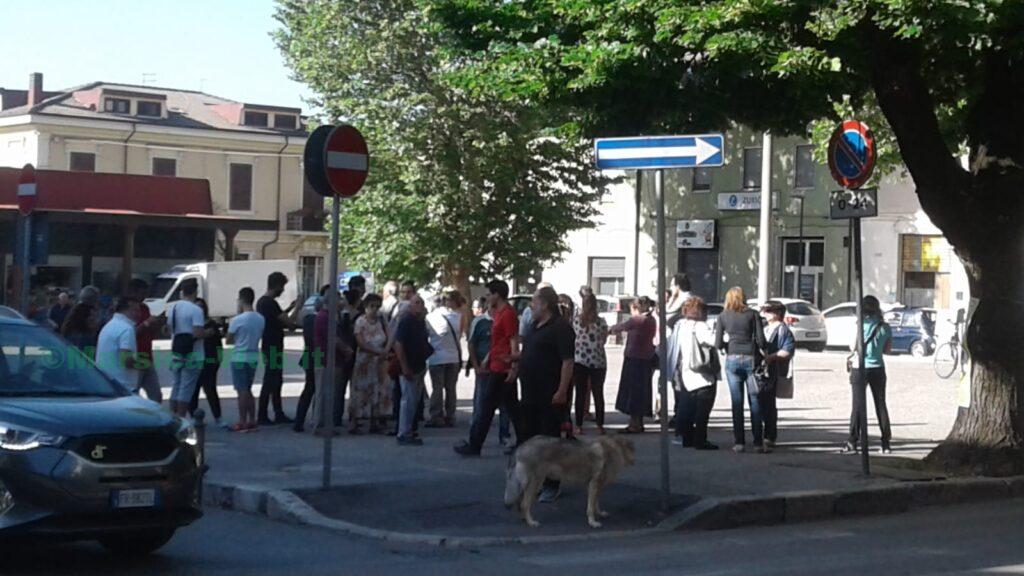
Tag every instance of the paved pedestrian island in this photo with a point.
(429, 493)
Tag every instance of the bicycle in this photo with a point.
(953, 354)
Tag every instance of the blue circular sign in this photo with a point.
(851, 154)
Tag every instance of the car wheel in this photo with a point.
(918, 349)
(137, 543)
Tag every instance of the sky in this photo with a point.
(222, 47)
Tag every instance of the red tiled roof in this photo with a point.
(95, 191)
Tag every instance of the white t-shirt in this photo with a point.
(247, 329)
(441, 337)
(183, 317)
(117, 335)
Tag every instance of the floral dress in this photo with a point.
(371, 391)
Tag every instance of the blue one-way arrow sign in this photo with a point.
(659, 152)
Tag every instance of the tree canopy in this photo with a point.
(935, 78)
(461, 184)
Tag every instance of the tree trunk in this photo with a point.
(988, 436)
(981, 212)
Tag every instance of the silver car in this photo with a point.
(83, 458)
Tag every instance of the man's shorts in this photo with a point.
(185, 381)
(243, 374)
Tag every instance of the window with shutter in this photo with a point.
(240, 184)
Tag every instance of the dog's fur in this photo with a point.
(595, 463)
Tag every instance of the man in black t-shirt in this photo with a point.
(545, 373)
(276, 320)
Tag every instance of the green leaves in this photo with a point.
(465, 180)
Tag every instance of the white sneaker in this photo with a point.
(221, 423)
(738, 448)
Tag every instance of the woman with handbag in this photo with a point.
(635, 395)
(777, 362)
(877, 341)
(746, 341)
(696, 369)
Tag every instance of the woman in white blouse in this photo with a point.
(696, 385)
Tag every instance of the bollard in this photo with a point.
(199, 419)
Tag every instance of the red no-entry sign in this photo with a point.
(27, 190)
(337, 160)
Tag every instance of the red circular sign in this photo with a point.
(346, 161)
(851, 154)
(27, 190)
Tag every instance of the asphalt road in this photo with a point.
(978, 539)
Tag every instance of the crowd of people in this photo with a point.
(542, 372)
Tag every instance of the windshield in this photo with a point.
(161, 286)
(36, 362)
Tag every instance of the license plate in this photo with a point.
(813, 334)
(133, 498)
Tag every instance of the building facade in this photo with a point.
(250, 154)
(712, 234)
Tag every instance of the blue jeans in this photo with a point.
(478, 397)
(410, 403)
(739, 370)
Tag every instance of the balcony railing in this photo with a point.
(305, 220)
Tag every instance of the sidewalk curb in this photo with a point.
(706, 514)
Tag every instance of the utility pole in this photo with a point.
(764, 241)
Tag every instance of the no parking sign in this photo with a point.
(851, 154)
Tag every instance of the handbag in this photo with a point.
(703, 360)
(762, 376)
(181, 344)
(853, 355)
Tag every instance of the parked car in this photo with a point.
(714, 309)
(841, 323)
(81, 457)
(805, 321)
(7, 312)
(913, 330)
(520, 302)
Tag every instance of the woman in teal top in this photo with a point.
(877, 341)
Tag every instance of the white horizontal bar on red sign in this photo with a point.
(27, 189)
(346, 161)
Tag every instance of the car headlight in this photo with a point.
(18, 439)
(187, 434)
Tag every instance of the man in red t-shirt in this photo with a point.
(501, 388)
(147, 327)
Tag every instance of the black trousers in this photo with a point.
(306, 398)
(208, 384)
(541, 419)
(496, 392)
(270, 391)
(694, 413)
(876, 379)
(581, 376)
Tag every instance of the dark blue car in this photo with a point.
(913, 330)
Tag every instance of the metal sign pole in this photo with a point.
(803, 251)
(861, 390)
(659, 184)
(327, 381)
(26, 265)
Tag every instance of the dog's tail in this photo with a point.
(514, 485)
